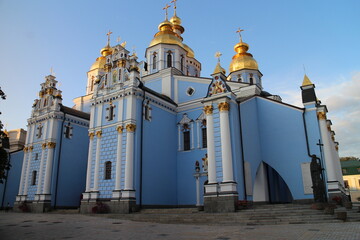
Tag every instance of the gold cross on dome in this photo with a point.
(218, 55)
(166, 11)
(118, 39)
(108, 34)
(239, 32)
(174, 2)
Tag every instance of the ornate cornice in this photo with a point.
(224, 106)
(130, 127)
(98, 134)
(208, 109)
(321, 115)
(91, 135)
(51, 144)
(119, 129)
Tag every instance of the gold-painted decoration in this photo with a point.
(217, 87)
(107, 67)
(98, 134)
(25, 149)
(91, 135)
(99, 63)
(43, 146)
(130, 127)
(51, 144)
(49, 91)
(224, 106)
(121, 63)
(119, 129)
(337, 148)
(41, 94)
(329, 128)
(31, 148)
(321, 115)
(208, 109)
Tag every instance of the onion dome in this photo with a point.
(99, 63)
(243, 59)
(166, 35)
(176, 22)
(106, 50)
(219, 69)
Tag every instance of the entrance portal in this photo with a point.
(270, 186)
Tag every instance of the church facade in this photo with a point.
(160, 135)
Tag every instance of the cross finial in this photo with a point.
(239, 32)
(108, 34)
(118, 39)
(218, 55)
(166, 11)
(52, 72)
(134, 52)
(174, 2)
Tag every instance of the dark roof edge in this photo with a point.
(74, 112)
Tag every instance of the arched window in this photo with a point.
(107, 170)
(154, 60)
(33, 178)
(169, 59)
(204, 134)
(182, 63)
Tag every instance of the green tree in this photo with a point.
(4, 143)
(349, 158)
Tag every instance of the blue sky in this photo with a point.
(323, 35)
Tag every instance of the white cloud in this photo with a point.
(343, 102)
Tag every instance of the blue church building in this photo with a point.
(155, 133)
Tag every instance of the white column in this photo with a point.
(48, 169)
(27, 171)
(118, 162)
(210, 144)
(89, 163)
(23, 171)
(97, 161)
(198, 134)
(197, 190)
(330, 168)
(129, 164)
(192, 135)
(41, 168)
(227, 163)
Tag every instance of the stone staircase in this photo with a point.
(257, 215)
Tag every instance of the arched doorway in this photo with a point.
(270, 187)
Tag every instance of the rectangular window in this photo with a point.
(204, 138)
(186, 140)
(107, 170)
(33, 178)
(36, 156)
(68, 132)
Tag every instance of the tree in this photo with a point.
(351, 158)
(4, 143)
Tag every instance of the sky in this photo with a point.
(287, 38)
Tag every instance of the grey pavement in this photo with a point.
(76, 226)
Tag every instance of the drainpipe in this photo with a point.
(58, 165)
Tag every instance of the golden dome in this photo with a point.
(166, 35)
(106, 51)
(99, 63)
(175, 20)
(243, 59)
(219, 69)
(190, 52)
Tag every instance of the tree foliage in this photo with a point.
(4, 159)
(349, 158)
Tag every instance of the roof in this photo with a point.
(159, 95)
(74, 112)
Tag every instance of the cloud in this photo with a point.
(342, 99)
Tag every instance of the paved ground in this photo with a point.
(75, 226)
